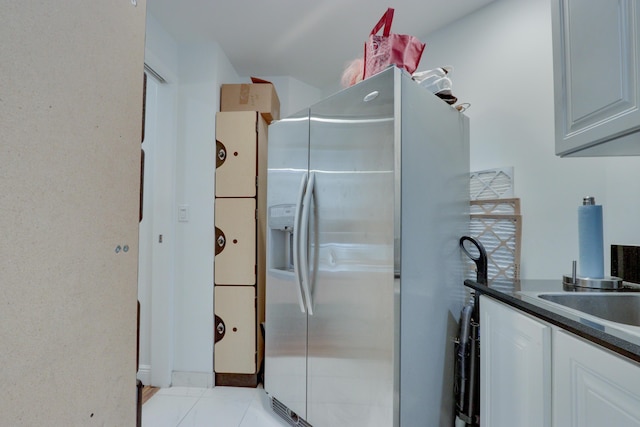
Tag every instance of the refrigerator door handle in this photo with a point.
(304, 241)
(296, 238)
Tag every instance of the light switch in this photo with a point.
(183, 213)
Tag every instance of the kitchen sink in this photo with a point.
(615, 307)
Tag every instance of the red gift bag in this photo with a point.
(400, 49)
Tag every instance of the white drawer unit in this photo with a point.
(235, 329)
(235, 259)
(236, 153)
(239, 263)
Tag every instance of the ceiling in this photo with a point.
(310, 40)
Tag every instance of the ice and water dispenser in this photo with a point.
(280, 222)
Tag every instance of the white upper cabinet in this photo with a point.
(596, 77)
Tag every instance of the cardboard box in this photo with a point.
(258, 96)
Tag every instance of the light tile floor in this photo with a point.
(210, 407)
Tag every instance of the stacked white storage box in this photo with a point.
(240, 192)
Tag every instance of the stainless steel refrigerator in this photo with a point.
(367, 199)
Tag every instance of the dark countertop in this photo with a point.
(622, 339)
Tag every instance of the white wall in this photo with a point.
(502, 60)
(157, 260)
(202, 69)
(160, 51)
(198, 100)
(503, 66)
(293, 94)
(183, 324)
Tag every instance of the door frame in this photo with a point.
(157, 254)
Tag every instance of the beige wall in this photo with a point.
(70, 121)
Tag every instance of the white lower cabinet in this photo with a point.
(536, 374)
(515, 373)
(593, 387)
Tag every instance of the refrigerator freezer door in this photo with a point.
(286, 323)
(351, 331)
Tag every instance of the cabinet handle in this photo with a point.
(221, 153)
(221, 240)
(144, 105)
(296, 246)
(303, 248)
(140, 214)
(220, 329)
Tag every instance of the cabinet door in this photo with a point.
(515, 376)
(70, 114)
(235, 352)
(235, 259)
(236, 154)
(592, 386)
(596, 50)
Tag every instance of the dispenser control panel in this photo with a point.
(281, 217)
